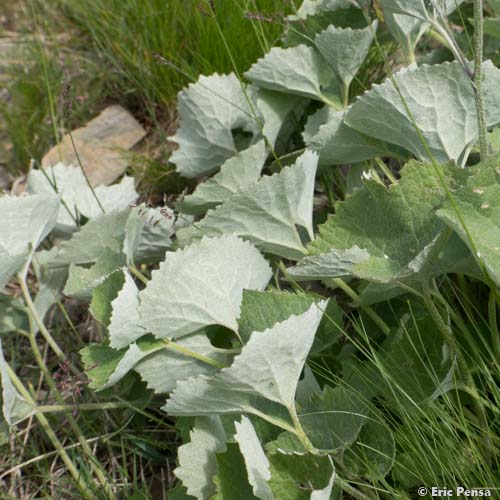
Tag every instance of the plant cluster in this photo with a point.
(332, 280)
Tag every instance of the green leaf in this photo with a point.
(111, 241)
(162, 369)
(372, 455)
(256, 462)
(315, 16)
(384, 235)
(231, 479)
(478, 205)
(77, 197)
(147, 234)
(100, 362)
(50, 280)
(345, 50)
(82, 280)
(14, 407)
(268, 212)
(268, 368)
(296, 70)
(25, 222)
(276, 109)
(442, 104)
(237, 172)
(337, 143)
(198, 460)
(312, 7)
(419, 9)
(307, 386)
(13, 314)
(406, 29)
(104, 233)
(160, 366)
(261, 310)
(332, 419)
(125, 231)
(413, 8)
(124, 324)
(103, 296)
(10, 264)
(495, 4)
(201, 285)
(179, 492)
(301, 477)
(418, 362)
(412, 368)
(210, 111)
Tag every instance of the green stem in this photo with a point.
(351, 490)
(188, 352)
(367, 309)
(275, 421)
(478, 78)
(138, 274)
(345, 95)
(299, 431)
(33, 314)
(410, 56)
(73, 470)
(386, 170)
(62, 408)
(436, 35)
(329, 102)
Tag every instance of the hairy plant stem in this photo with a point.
(478, 78)
(424, 143)
(44, 423)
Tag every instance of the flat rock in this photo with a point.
(100, 145)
